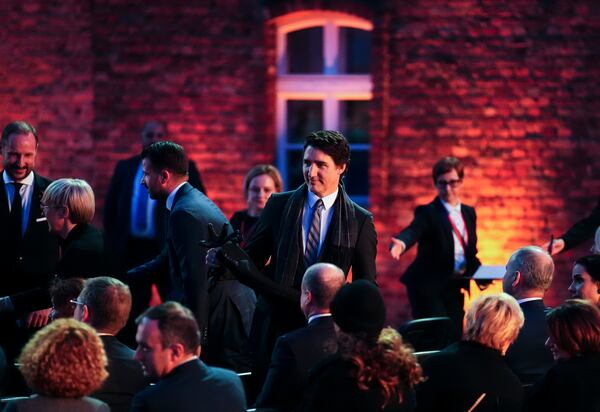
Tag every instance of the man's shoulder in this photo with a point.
(40, 181)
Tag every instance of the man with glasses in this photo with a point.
(447, 254)
(133, 222)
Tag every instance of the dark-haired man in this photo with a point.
(165, 169)
(104, 304)
(446, 232)
(315, 223)
(297, 352)
(168, 347)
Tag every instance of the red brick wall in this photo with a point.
(509, 87)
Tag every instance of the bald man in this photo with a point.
(297, 352)
(528, 276)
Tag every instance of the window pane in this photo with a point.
(294, 169)
(305, 50)
(354, 120)
(356, 180)
(355, 50)
(303, 118)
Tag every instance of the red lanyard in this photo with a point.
(465, 240)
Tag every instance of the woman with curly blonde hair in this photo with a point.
(372, 369)
(62, 364)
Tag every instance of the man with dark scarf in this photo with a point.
(315, 223)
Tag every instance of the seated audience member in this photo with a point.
(62, 364)
(104, 304)
(572, 384)
(62, 292)
(298, 351)
(528, 276)
(473, 372)
(586, 279)
(259, 183)
(168, 348)
(372, 369)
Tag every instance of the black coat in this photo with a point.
(434, 263)
(117, 206)
(191, 387)
(459, 374)
(582, 230)
(125, 376)
(294, 355)
(528, 356)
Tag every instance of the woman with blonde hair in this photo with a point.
(62, 364)
(472, 374)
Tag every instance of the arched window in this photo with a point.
(323, 82)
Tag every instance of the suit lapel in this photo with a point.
(3, 202)
(444, 223)
(35, 211)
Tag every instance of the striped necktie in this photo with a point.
(311, 252)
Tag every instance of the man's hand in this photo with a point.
(397, 249)
(211, 257)
(557, 246)
(38, 318)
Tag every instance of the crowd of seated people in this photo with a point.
(515, 353)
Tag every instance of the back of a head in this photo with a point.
(332, 143)
(109, 303)
(76, 194)
(176, 324)
(323, 280)
(494, 321)
(535, 265)
(65, 359)
(62, 291)
(167, 156)
(574, 327)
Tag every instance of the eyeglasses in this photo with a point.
(451, 183)
(76, 302)
(46, 207)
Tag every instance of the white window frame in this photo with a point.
(329, 87)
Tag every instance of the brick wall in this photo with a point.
(509, 87)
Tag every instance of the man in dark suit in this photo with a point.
(578, 233)
(165, 166)
(105, 303)
(168, 348)
(28, 251)
(447, 255)
(297, 352)
(528, 276)
(315, 223)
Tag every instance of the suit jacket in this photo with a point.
(191, 387)
(528, 356)
(569, 386)
(459, 374)
(39, 403)
(117, 206)
(125, 376)
(83, 255)
(434, 263)
(182, 257)
(294, 355)
(582, 230)
(28, 268)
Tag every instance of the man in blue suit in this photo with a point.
(528, 276)
(168, 347)
(165, 175)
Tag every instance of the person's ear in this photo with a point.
(517, 279)
(342, 168)
(164, 176)
(177, 350)
(85, 313)
(64, 212)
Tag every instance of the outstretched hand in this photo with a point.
(558, 246)
(397, 249)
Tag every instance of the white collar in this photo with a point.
(451, 208)
(519, 301)
(328, 200)
(28, 181)
(171, 197)
(320, 315)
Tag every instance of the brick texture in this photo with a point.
(509, 87)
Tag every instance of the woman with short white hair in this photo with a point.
(472, 372)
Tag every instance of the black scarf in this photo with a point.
(341, 235)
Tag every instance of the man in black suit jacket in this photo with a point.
(168, 347)
(28, 252)
(446, 232)
(342, 233)
(578, 233)
(297, 352)
(165, 166)
(528, 276)
(105, 303)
